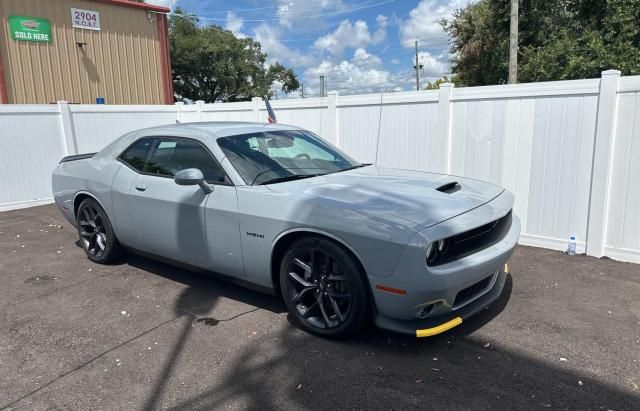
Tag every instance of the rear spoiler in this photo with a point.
(77, 157)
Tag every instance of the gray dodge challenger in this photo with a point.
(277, 208)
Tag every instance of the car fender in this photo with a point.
(315, 231)
(85, 193)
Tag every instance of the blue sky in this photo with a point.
(360, 46)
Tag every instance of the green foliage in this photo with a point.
(479, 44)
(212, 64)
(558, 40)
(436, 84)
(284, 76)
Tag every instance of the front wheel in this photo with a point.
(323, 287)
(96, 233)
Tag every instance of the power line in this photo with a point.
(338, 12)
(405, 77)
(367, 65)
(280, 11)
(377, 58)
(382, 56)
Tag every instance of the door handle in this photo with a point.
(141, 187)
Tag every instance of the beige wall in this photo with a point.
(122, 62)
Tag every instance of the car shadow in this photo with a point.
(373, 370)
(204, 287)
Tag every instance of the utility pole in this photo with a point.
(323, 90)
(302, 90)
(417, 66)
(513, 44)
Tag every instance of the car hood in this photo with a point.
(423, 199)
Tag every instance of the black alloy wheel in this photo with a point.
(323, 288)
(96, 233)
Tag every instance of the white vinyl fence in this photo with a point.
(568, 150)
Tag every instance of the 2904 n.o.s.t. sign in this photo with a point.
(85, 19)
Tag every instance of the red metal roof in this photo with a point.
(137, 5)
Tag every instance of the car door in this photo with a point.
(183, 223)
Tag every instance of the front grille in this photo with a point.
(471, 292)
(475, 240)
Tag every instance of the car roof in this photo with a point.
(222, 128)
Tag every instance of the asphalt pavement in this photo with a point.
(144, 335)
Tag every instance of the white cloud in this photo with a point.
(423, 22)
(268, 37)
(361, 74)
(234, 24)
(293, 11)
(362, 58)
(432, 67)
(383, 21)
(352, 35)
(165, 3)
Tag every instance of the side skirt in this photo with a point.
(200, 270)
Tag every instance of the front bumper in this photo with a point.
(416, 296)
(431, 326)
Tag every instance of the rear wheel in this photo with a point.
(324, 288)
(96, 233)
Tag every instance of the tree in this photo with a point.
(558, 40)
(212, 64)
(479, 44)
(285, 77)
(436, 84)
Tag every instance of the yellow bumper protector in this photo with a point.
(428, 332)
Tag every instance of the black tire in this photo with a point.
(96, 233)
(324, 288)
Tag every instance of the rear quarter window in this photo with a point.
(136, 155)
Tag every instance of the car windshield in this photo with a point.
(277, 156)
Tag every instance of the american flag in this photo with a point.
(271, 115)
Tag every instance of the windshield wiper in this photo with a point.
(353, 167)
(290, 178)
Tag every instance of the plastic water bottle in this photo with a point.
(571, 249)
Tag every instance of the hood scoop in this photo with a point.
(449, 188)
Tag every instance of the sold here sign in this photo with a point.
(85, 19)
(30, 29)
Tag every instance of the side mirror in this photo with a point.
(192, 177)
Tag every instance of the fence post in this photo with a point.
(68, 130)
(601, 170)
(179, 105)
(256, 108)
(332, 117)
(199, 104)
(444, 122)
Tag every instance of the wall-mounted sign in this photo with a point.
(85, 19)
(30, 29)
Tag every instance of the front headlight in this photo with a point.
(436, 250)
(442, 246)
(432, 252)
